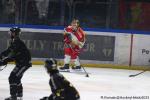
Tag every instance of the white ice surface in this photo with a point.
(102, 82)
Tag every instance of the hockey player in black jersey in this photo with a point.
(17, 52)
(61, 88)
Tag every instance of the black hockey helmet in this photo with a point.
(51, 64)
(15, 30)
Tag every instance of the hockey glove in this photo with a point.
(69, 36)
(7, 59)
(60, 95)
(2, 63)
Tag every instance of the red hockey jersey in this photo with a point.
(79, 34)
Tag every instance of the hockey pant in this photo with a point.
(71, 54)
(15, 77)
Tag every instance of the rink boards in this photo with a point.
(103, 48)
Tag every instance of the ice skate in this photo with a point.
(11, 98)
(76, 68)
(65, 68)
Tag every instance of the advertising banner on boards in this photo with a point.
(46, 45)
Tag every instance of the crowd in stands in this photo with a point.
(91, 13)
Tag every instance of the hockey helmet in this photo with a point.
(51, 64)
(15, 30)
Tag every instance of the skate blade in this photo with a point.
(77, 70)
(64, 70)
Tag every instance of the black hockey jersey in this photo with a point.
(61, 88)
(18, 52)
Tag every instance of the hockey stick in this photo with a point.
(139, 73)
(3, 67)
(87, 75)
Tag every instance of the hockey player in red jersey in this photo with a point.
(74, 39)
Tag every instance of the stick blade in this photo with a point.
(87, 75)
(137, 74)
(132, 75)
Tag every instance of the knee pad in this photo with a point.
(13, 79)
(19, 90)
(67, 59)
(77, 61)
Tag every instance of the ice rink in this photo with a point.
(102, 82)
